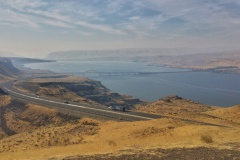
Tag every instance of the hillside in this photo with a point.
(174, 105)
(232, 113)
(219, 62)
(20, 120)
(41, 133)
(184, 109)
(7, 69)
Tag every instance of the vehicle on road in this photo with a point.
(66, 102)
(117, 108)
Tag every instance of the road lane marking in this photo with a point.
(79, 106)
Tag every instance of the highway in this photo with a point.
(75, 107)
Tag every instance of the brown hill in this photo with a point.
(177, 107)
(174, 105)
(17, 117)
(42, 133)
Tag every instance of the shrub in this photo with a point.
(207, 138)
(112, 143)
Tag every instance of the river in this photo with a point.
(217, 89)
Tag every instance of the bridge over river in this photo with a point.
(124, 73)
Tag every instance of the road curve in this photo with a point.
(98, 111)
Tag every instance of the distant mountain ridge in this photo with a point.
(117, 54)
(220, 61)
(8, 54)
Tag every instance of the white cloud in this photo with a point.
(59, 16)
(18, 19)
(99, 27)
(57, 24)
(21, 4)
(134, 18)
(84, 33)
(125, 19)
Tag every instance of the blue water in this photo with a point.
(204, 87)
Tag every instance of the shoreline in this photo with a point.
(211, 70)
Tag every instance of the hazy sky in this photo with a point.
(36, 27)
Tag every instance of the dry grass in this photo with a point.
(231, 113)
(112, 143)
(189, 110)
(44, 137)
(174, 106)
(87, 136)
(5, 100)
(92, 137)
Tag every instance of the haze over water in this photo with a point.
(209, 88)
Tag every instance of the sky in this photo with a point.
(34, 28)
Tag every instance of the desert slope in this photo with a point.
(42, 133)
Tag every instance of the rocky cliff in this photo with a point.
(77, 89)
(7, 68)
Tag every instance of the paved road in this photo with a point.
(96, 110)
